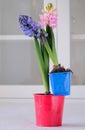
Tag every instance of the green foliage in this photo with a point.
(50, 45)
(43, 60)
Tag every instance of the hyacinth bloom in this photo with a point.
(52, 21)
(29, 27)
(49, 16)
(32, 29)
(49, 20)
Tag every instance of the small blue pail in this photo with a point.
(60, 83)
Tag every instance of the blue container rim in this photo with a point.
(60, 72)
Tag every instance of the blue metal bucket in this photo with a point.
(60, 83)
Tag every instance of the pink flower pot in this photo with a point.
(48, 109)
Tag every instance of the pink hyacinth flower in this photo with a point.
(52, 20)
(49, 18)
(43, 20)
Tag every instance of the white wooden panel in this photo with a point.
(15, 37)
(20, 91)
(63, 33)
(0, 62)
(78, 37)
(78, 92)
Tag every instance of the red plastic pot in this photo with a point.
(48, 109)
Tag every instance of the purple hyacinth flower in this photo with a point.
(29, 27)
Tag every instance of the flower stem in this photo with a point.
(41, 65)
(52, 54)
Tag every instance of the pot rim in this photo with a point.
(50, 95)
(60, 72)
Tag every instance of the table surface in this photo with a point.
(19, 115)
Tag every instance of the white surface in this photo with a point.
(20, 115)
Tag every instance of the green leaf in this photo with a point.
(45, 56)
(49, 38)
(51, 42)
(41, 62)
(45, 60)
